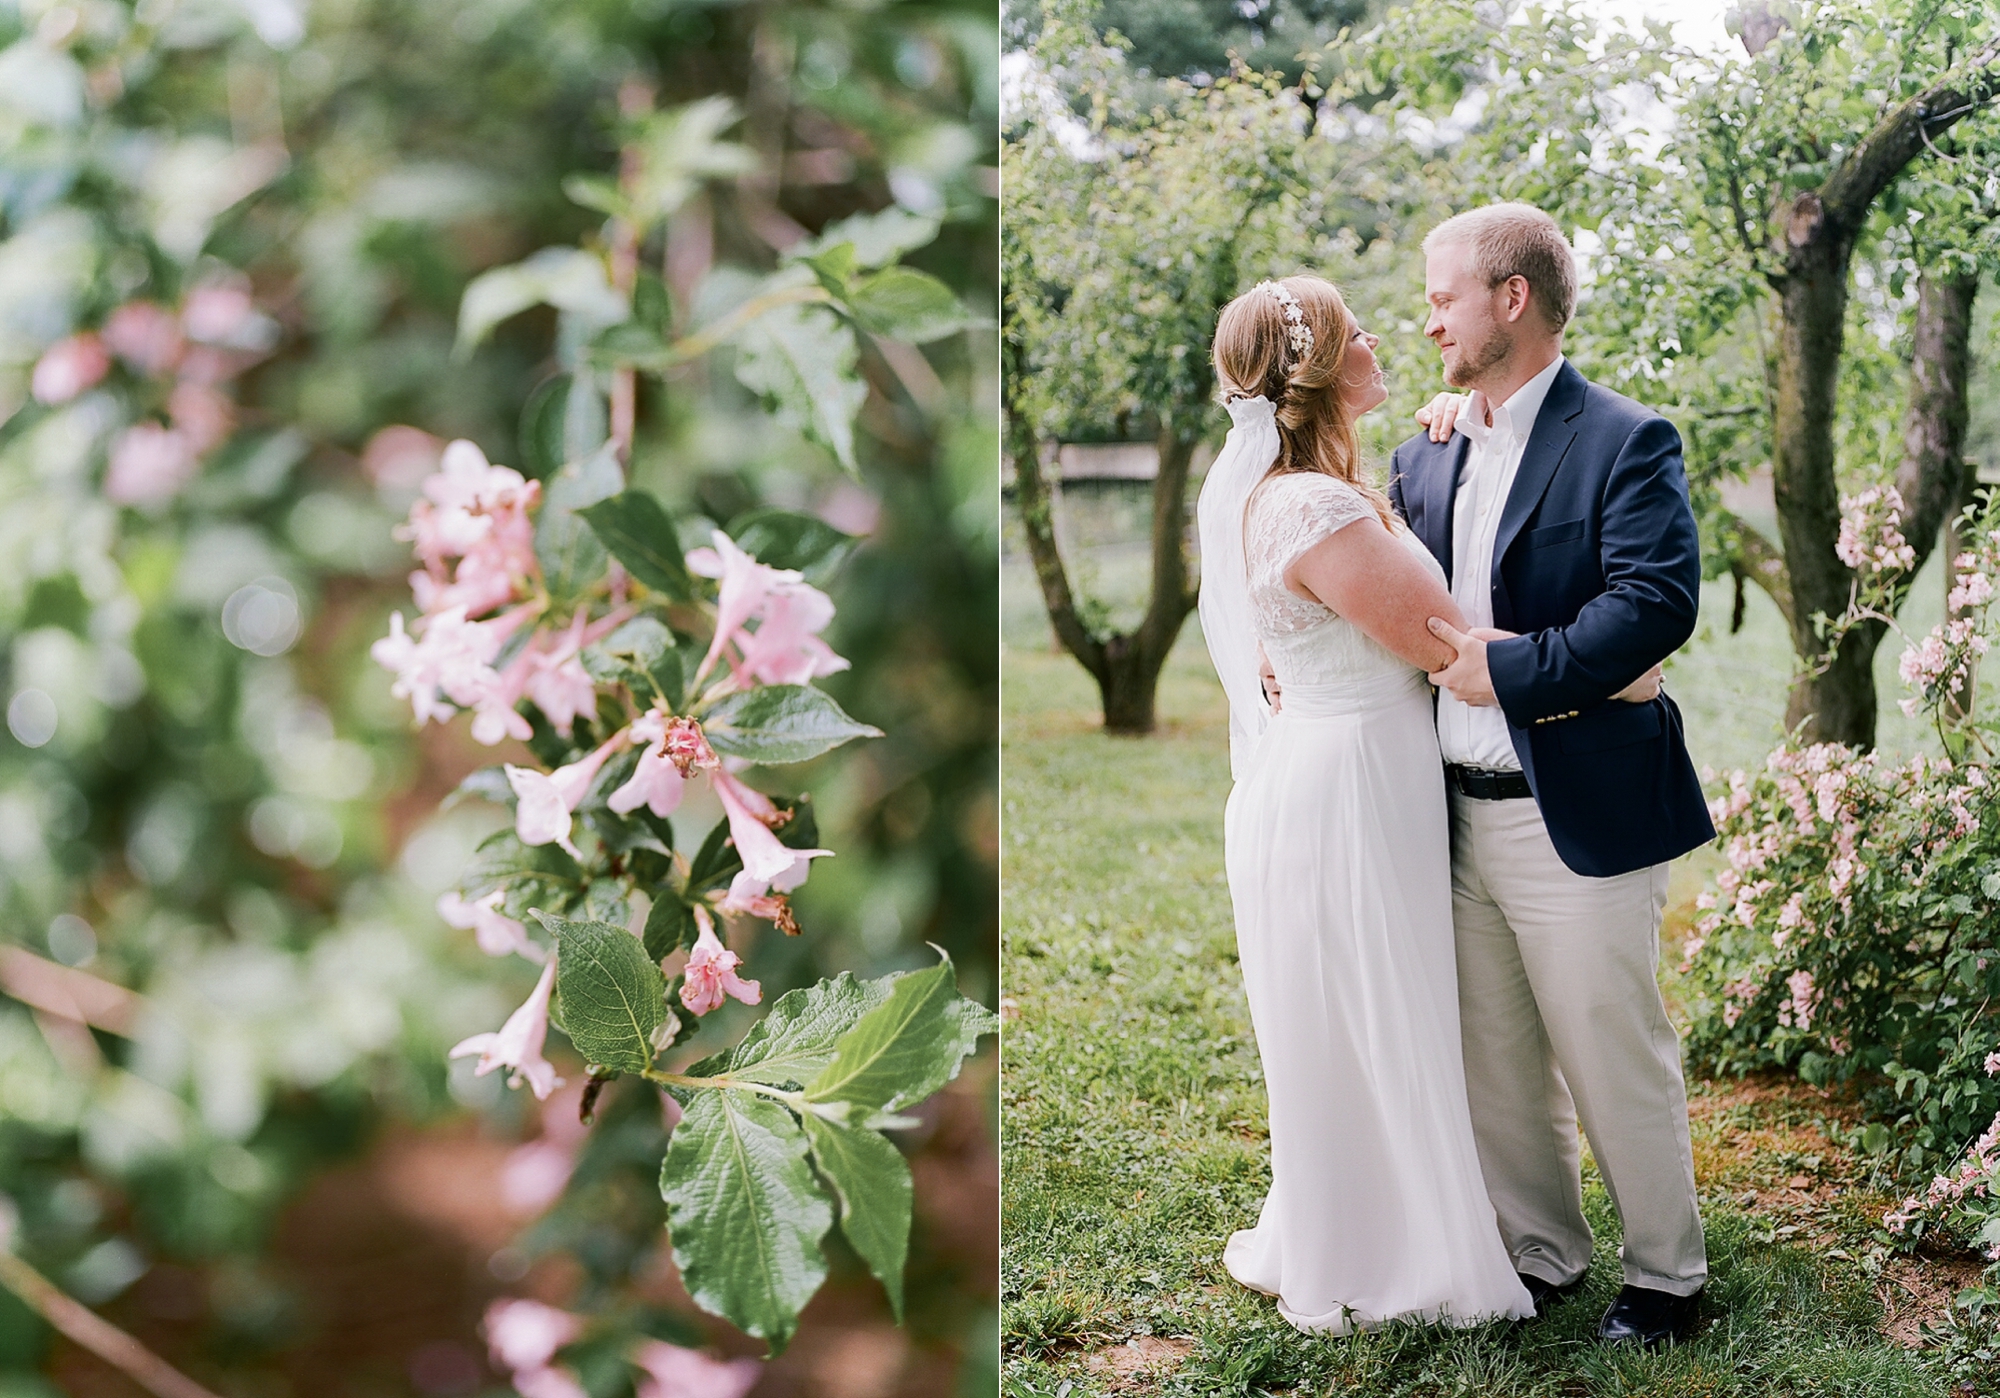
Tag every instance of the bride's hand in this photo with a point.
(1441, 414)
(1267, 677)
(1644, 689)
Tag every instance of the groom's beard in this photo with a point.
(1475, 363)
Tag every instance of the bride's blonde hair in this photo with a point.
(1260, 352)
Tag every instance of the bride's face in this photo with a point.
(1361, 383)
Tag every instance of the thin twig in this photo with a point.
(96, 1334)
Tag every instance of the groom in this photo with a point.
(1559, 510)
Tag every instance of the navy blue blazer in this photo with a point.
(1597, 565)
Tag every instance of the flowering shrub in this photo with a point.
(1852, 934)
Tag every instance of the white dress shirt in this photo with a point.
(1477, 737)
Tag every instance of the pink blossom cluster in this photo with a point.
(523, 1338)
(784, 647)
(1977, 1174)
(213, 336)
(1797, 1010)
(1871, 535)
(475, 513)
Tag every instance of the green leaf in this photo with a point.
(835, 269)
(871, 1181)
(801, 361)
(784, 539)
(571, 557)
(780, 723)
(670, 925)
(652, 304)
(486, 784)
(531, 875)
(745, 1212)
(542, 452)
(637, 531)
(907, 1047)
(597, 192)
(797, 1037)
(630, 345)
(567, 278)
(877, 239)
(613, 996)
(1875, 1138)
(905, 304)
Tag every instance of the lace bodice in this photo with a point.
(1310, 644)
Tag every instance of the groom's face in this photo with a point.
(1467, 319)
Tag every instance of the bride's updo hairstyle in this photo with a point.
(1287, 341)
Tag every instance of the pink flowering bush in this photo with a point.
(1852, 935)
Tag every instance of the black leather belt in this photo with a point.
(1486, 784)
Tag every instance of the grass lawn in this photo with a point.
(1133, 1111)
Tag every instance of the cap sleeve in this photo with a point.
(1295, 511)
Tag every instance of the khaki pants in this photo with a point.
(1563, 1021)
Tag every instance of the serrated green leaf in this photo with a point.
(639, 534)
(745, 1212)
(612, 993)
(542, 428)
(571, 557)
(780, 723)
(871, 1182)
(670, 926)
(907, 1047)
(801, 361)
(797, 1037)
(905, 304)
(784, 539)
(605, 901)
(645, 639)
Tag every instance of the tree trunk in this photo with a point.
(1126, 666)
(1837, 704)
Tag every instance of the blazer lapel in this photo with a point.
(1555, 429)
(1440, 496)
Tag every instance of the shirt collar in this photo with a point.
(1513, 419)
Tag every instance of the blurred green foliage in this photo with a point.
(250, 841)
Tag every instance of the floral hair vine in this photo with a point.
(1296, 329)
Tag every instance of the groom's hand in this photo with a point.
(1466, 676)
(1644, 689)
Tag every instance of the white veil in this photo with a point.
(1247, 455)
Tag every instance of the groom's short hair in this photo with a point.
(1516, 240)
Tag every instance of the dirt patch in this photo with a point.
(1917, 1291)
(1140, 1358)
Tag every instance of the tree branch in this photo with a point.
(1872, 165)
(94, 1333)
(1759, 560)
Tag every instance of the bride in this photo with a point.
(1336, 840)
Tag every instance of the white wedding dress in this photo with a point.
(1337, 846)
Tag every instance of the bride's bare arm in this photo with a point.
(1373, 579)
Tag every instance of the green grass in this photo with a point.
(1134, 1115)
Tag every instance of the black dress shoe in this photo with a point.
(1641, 1316)
(1546, 1293)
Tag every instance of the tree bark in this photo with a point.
(1837, 702)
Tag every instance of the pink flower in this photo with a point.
(518, 1044)
(687, 747)
(496, 933)
(144, 335)
(711, 971)
(1973, 590)
(1992, 1064)
(785, 648)
(478, 513)
(543, 805)
(523, 1337)
(656, 783)
(221, 313)
(746, 895)
(558, 683)
(203, 415)
(69, 367)
(149, 465)
(673, 1372)
(450, 661)
(524, 1334)
(399, 457)
(767, 860)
